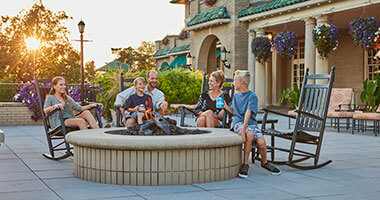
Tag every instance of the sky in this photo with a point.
(111, 23)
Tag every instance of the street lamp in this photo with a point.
(81, 26)
(189, 60)
(224, 57)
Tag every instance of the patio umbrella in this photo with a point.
(115, 65)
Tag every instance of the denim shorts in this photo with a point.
(257, 132)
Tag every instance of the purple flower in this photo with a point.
(261, 48)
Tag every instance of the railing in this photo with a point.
(8, 91)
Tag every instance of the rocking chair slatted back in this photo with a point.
(314, 101)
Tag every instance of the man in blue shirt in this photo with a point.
(245, 124)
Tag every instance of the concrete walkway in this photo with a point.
(353, 174)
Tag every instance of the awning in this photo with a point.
(115, 65)
(179, 61)
(164, 66)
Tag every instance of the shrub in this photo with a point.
(292, 95)
(180, 86)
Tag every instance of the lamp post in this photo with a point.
(81, 26)
(189, 60)
(223, 55)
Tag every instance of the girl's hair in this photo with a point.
(138, 79)
(219, 76)
(52, 90)
(243, 75)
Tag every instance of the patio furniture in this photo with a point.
(340, 106)
(123, 81)
(309, 126)
(191, 108)
(55, 136)
(360, 119)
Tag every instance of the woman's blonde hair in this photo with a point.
(219, 76)
(243, 75)
(54, 82)
(138, 79)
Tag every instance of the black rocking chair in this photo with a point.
(309, 126)
(58, 147)
(227, 118)
(119, 116)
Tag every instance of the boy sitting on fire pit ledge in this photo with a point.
(139, 104)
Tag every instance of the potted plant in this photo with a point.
(261, 48)
(286, 44)
(325, 38)
(292, 96)
(363, 31)
(371, 93)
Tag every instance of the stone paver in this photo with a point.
(353, 174)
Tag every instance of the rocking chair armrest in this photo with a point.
(277, 113)
(52, 112)
(309, 115)
(117, 107)
(188, 109)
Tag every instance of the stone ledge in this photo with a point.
(96, 138)
(11, 104)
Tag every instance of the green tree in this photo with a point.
(55, 54)
(89, 70)
(139, 58)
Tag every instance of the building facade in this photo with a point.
(233, 24)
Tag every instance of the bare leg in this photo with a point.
(260, 141)
(77, 122)
(248, 146)
(211, 121)
(201, 121)
(86, 115)
(140, 117)
(130, 122)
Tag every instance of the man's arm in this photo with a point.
(124, 95)
(160, 101)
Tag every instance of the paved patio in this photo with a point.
(353, 174)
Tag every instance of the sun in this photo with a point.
(32, 43)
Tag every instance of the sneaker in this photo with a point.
(273, 169)
(243, 171)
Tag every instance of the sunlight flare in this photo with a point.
(32, 43)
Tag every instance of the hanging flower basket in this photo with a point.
(363, 31)
(261, 48)
(286, 44)
(209, 2)
(376, 46)
(183, 34)
(325, 38)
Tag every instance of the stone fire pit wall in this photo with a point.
(155, 160)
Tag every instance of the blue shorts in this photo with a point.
(257, 132)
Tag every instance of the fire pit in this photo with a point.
(155, 160)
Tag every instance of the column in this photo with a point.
(310, 50)
(260, 88)
(275, 79)
(251, 60)
(268, 82)
(322, 64)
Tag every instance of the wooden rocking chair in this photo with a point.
(56, 136)
(310, 123)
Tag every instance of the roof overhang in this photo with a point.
(287, 9)
(172, 54)
(208, 24)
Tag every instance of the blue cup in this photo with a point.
(219, 102)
